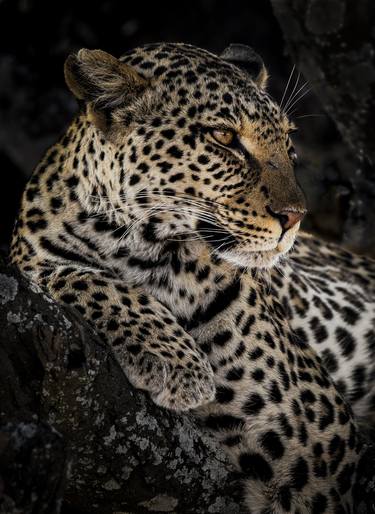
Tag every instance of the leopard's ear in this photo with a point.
(247, 59)
(99, 78)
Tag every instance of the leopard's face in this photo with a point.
(205, 153)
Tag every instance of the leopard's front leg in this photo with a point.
(156, 354)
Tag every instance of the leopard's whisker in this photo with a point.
(298, 99)
(292, 92)
(311, 116)
(179, 196)
(287, 86)
(172, 198)
(197, 238)
(185, 200)
(150, 211)
(287, 106)
(225, 240)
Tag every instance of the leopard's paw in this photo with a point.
(173, 384)
(187, 386)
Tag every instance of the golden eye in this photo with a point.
(224, 137)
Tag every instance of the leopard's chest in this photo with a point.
(235, 328)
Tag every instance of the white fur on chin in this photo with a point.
(262, 259)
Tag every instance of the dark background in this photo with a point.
(35, 106)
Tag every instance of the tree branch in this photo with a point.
(126, 454)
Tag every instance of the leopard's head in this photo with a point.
(196, 146)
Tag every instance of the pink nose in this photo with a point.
(291, 218)
(288, 217)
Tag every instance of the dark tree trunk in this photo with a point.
(332, 42)
(126, 454)
(33, 462)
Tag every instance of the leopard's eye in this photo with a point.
(224, 137)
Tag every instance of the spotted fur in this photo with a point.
(172, 246)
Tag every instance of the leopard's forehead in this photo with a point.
(204, 87)
(158, 59)
(199, 74)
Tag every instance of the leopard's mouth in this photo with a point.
(251, 259)
(259, 258)
(229, 248)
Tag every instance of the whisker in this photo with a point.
(226, 239)
(292, 93)
(188, 201)
(298, 99)
(287, 86)
(143, 193)
(152, 210)
(295, 95)
(196, 200)
(311, 116)
(198, 238)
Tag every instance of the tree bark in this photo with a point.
(125, 454)
(332, 42)
(33, 462)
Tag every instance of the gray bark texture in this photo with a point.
(33, 463)
(69, 416)
(332, 42)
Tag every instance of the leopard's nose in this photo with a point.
(288, 217)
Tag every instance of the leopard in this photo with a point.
(168, 217)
